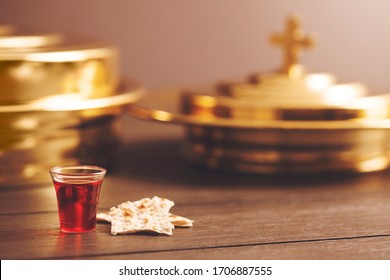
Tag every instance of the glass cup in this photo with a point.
(77, 188)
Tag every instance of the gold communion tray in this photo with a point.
(26, 161)
(64, 111)
(289, 121)
(61, 99)
(36, 136)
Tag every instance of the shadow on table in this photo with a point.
(162, 161)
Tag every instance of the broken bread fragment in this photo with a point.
(176, 220)
(179, 221)
(103, 217)
(148, 215)
(142, 215)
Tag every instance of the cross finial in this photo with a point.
(292, 41)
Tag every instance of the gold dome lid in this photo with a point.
(35, 66)
(289, 98)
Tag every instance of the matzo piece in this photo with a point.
(177, 221)
(103, 217)
(142, 215)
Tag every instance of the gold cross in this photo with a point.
(292, 41)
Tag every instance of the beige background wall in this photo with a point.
(168, 43)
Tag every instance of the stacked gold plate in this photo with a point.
(290, 121)
(60, 103)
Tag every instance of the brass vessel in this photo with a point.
(38, 66)
(61, 99)
(288, 122)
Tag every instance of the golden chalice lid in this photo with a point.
(35, 66)
(290, 98)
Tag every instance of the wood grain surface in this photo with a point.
(237, 216)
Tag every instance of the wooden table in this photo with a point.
(236, 216)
